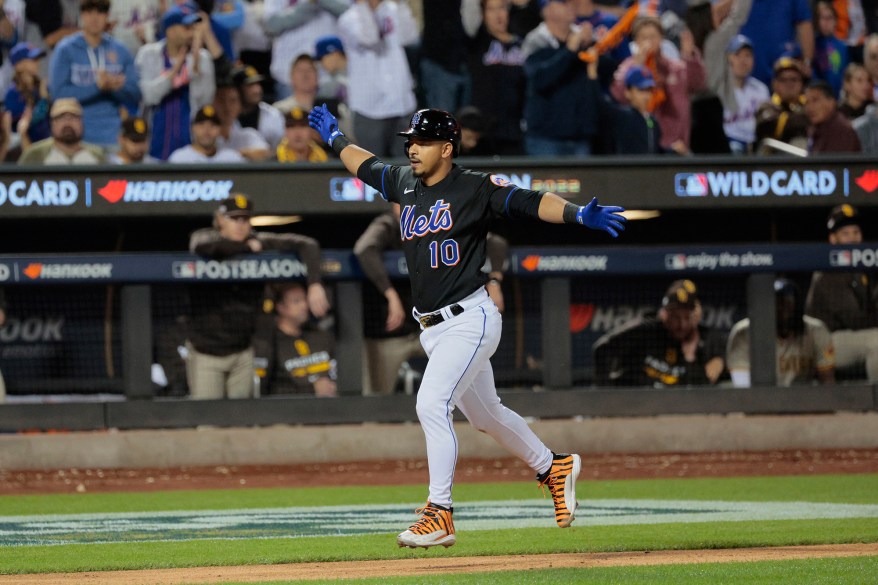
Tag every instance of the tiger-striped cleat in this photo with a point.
(434, 528)
(561, 481)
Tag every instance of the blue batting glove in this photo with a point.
(602, 217)
(325, 123)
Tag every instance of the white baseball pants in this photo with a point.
(459, 374)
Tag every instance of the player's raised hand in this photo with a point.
(325, 123)
(602, 217)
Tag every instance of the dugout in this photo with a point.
(108, 240)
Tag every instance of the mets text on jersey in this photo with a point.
(440, 220)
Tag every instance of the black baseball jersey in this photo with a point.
(444, 226)
(642, 353)
(289, 364)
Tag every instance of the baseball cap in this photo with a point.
(787, 63)
(180, 14)
(246, 75)
(296, 117)
(326, 45)
(681, 294)
(739, 42)
(639, 77)
(237, 205)
(841, 216)
(22, 51)
(134, 128)
(206, 114)
(65, 106)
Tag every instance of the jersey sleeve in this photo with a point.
(738, 351)
(369, 250)
(382, 177)
(824, 350)
(818, 303)
(714, 344)
(508, 200)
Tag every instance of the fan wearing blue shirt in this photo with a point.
(98, 71)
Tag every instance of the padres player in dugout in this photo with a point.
(445, 211)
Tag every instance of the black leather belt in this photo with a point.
(431, 319)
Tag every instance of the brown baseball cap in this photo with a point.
(206, 114)
(134, 128)
(786, 63)
(841, 216)
(296, 117)
(237, 205)
(246, 76)
(681, 294)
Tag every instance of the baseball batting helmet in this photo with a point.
(433, 124)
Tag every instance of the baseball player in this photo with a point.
(803, 348)
(444, 217)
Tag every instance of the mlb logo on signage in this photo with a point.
(675, 261)
(840, 257)
(691, 185)
(184, 269)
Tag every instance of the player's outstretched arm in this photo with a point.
(327, 126)
(554, 209)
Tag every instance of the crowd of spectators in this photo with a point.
(538, 77)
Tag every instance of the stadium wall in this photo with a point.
(279, 445)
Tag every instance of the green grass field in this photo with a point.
(216, 551)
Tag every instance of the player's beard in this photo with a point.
(68, 136)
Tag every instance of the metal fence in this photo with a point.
(92, 324)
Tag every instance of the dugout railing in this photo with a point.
(550, 271)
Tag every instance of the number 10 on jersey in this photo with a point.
(446, 252)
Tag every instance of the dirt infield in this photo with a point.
(437, 566)
(595, 467)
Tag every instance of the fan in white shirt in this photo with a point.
(740, 124)
(380, 86)
(134, 22)
(205, 147)
(247, 141)
(296, 25)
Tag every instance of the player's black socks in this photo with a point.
(541, 477)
